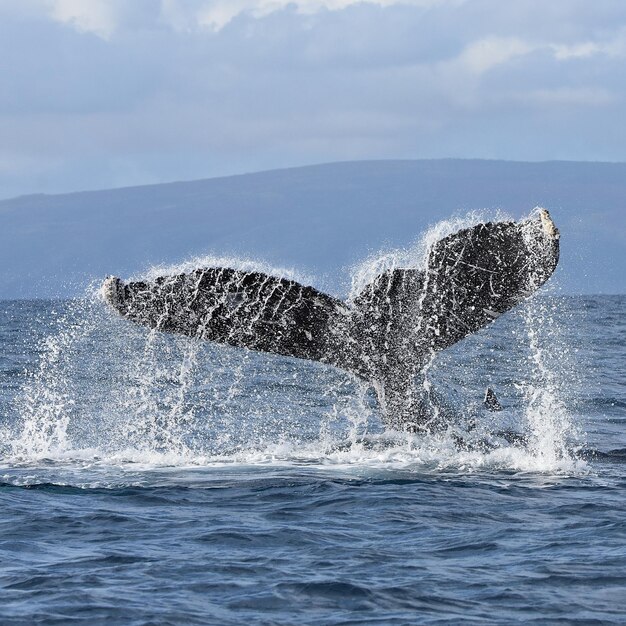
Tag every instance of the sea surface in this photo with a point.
(152, 479)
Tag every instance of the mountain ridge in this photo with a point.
(321, 218)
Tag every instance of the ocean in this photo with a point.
(152, 479)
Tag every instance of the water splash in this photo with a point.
(552, 434)
(233, 262)
(46, 402)
(107, 389)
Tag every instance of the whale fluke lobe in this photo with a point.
(243, 309)
(386, 335)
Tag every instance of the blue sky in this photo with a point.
(103, 93)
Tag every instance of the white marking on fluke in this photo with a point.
(548, 225)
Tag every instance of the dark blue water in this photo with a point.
(147, 479)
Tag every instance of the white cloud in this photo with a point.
(93, 16)
(615, 47)
(99, 17)
(565, 52)
(485, 54)
(217, 13)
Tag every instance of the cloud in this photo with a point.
(218, 13)
(96, 16)
(117, 92)
(485, 54)
(105, 17)
(614, 47)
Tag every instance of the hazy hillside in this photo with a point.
(319, 219)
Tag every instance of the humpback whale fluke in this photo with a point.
(386, 334)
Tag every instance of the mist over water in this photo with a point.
(182, 481)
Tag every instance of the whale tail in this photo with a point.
(386, 335)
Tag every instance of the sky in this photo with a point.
(108, 93)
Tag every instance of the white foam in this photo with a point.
(399, 453)
(233, 262)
